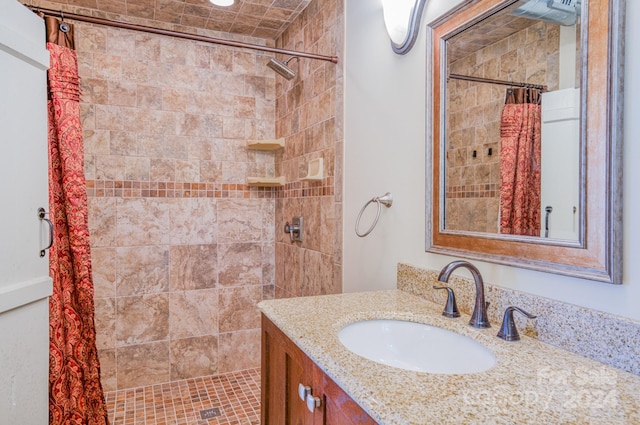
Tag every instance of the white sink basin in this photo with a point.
(416, 346)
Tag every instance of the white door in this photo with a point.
(560, 175)
(25, 284)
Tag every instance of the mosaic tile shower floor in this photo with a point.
(228, 399)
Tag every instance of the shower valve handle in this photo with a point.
(294, 229)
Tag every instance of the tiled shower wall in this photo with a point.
(473, 120)
(309, 115)
(182, 249)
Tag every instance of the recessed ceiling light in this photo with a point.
(222, 2)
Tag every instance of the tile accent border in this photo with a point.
(301, 189)
(600, 336)
(147, 189)
(489, 190)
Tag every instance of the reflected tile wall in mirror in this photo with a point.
(473, 118)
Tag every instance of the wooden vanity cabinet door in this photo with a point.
(284, 367)
(339, 407)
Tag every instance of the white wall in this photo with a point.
(384, 151)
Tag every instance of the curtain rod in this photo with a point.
(501, 82)
(184, 35)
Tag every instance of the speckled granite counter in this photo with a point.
(532, 382)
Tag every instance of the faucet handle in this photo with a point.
(451, 308)
(508, 330)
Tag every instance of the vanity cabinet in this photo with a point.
(288, 376)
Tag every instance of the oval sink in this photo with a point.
(416, 346)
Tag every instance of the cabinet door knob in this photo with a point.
(303, 391)
(313, 402)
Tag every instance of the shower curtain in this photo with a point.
(75, 393)
(520, 154)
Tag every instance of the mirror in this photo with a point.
(515, 47)
(535, 181)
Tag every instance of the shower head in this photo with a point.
(282, 68)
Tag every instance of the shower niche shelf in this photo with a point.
(265, 181)
(266, 145)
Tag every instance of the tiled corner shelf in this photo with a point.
(265, 181)
(266, 145)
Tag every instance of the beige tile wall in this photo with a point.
(309, 115)
(473, 120)
(182, 248)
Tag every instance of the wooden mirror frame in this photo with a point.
(597, 255)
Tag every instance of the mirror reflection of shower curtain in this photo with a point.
(520, 159)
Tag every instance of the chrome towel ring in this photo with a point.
(386, 200)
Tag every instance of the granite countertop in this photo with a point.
(531, 383)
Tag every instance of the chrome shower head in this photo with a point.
(282, 68)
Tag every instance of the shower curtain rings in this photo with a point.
(63, 26)
(386, 200)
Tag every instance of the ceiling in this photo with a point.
(490, 30)
(257, 18)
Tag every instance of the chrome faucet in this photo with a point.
(479, 317)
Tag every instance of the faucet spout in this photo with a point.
(479, 317)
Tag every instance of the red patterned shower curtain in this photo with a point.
(520, 154)
(75, 393)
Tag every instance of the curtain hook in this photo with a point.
(63, 26)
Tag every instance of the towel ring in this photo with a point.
(386, 200)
